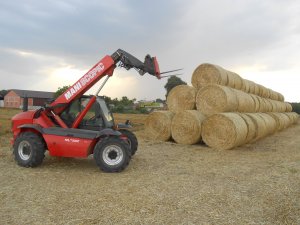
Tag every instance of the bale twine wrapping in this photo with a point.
(209, 74)
(224, 131)
(186, 127)
(214, 98)
(181, 97)
(158, 125)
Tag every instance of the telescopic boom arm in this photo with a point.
(104, 67)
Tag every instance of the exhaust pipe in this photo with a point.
(25, 104)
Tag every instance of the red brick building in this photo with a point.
(14, 98)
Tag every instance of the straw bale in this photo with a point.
(262, 105)
(158, 125)
(224, 130)
(212, 74)
(234, 80)
(252, 87)
(256, 102)
(181, 97)
(269, 106)
(292, 116)
(270, 122)
(245, 102)
(251, 129)
(216, 98)
(288, 107)
(282, 120)
(245, 86)
(256, 89)
(186, 127)
(260, 126)
(280, 97)
(209, 74)
(238, 81)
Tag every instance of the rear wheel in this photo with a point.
(132, 140)
(29, 149)
(112, 154)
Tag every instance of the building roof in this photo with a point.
(33, 94)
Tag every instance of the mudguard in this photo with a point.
(32, 126)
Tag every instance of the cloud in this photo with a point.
(75, 34)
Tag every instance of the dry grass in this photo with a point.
(165, 183)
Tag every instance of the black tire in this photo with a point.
(132, 140)
(29, 149)
(112, 154)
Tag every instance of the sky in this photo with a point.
(47, 44)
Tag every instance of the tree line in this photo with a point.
(125, 105)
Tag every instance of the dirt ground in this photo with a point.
(165, 183)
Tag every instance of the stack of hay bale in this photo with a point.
(221, 108)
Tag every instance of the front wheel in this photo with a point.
(112, 154)
(29, 149)
(132, 140)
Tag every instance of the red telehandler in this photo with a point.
(74, 125)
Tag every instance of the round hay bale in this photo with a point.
(291, 117)
(269, 106)
(262, 104)
(252, 87)
(238, 81)
(186, 127)
(256, 102)
(274, 105)
(295, 115)
(259, 90)
(181, 97)
(270, 123)
(224, 131)
(277, 118)
(251, 129)
(158, 125)
(234, 80)
(209, 74)
(288, 107)
(245, 86)
(256, 89)
(283, 120)
(280, 97)
(214, 98)
(260, 126)
(245, 102)
(265, 92)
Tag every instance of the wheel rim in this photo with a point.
(112, 155)
(24, 150)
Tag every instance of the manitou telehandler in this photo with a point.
(76, 126)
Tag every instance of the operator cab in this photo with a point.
(97, 118)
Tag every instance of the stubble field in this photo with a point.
(165, 183)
